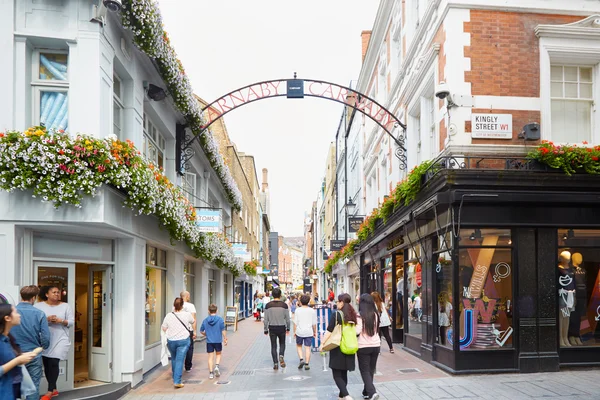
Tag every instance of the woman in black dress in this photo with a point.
(339, 362)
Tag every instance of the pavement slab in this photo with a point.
(247, 373)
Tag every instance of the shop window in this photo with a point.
(188, 278)
(400, 290)
(486, 290)
(443, 274)
(578, 285)
(51, 85)
(118, 106)
(414, 291)
(156, 278)
(387, 285)
(212, 296)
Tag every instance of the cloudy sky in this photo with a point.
(227, 44)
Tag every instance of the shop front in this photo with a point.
(494, 275)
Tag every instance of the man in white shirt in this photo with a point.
(305, 328)
(189, 307)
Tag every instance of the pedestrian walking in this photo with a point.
(369, 343)
(32, 333)
(339, 362)
(177, 326)
(10, 354)
(277, 325)
(213, 327)
(189, 307)
(259, 307)
(384, 320)
(305, 329)
(60, 318)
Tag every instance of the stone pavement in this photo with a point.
(247, 374)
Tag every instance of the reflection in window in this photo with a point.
(188, 278)
(50, 81)
(578, 285)
(414, 289)
(486, 293)
(155, 293)
(400, 290)
(443, 273)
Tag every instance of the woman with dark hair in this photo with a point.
(177, 326)
(339, 362)
(384, 320)
(369, 343)
(60, 318)
(10, 355)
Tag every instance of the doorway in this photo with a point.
(87, 288)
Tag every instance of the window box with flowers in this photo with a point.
(570, 158)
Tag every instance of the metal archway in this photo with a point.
(294, 89)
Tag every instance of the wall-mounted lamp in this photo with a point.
(350, 205)
(154, 92)
(570, 234)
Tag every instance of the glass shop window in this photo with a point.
(443, 275)
(156, 279)
(578, 286)
(399, 290)
(414, 291)
(486, 290)
(50, 83)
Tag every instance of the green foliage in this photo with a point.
(569, 158)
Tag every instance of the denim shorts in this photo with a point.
(307, 341)
(211, 347)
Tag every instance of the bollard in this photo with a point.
(324, 356)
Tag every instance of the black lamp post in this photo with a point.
(350, 205)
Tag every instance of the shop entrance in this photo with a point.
(87, 288)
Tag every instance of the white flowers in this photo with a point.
(144, 20)
(93, 163)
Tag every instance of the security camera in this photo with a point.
(442, 91)
(113, 5)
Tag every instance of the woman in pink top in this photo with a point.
(369, 343)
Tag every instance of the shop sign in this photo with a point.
(240, 250)
(491, 126)
(208, 220)
(336, 245)
(354, 223)
(478, 278)
(419, 275)
(395, 243)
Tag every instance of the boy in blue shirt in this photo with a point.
(213, 327)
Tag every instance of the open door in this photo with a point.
(100, 323)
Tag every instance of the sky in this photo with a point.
(227, 44)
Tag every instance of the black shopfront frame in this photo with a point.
(533, 205)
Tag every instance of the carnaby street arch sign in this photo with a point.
(294, 89)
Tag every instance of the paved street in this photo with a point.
(247, 374)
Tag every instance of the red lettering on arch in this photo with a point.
(310, 88)
(342, 95)
(264, 87)
(222, 103)
(329, 90)
(251, 92)
(237, 96)
(275, 86)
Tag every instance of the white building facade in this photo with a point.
(118, 271)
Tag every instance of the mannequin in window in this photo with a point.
(580, 300)
(566, 295)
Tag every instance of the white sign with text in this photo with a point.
(491, 126)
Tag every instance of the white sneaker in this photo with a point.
(217, 372)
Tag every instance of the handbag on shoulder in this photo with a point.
(335, 337)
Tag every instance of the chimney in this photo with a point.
(365, 36)
(265, 183)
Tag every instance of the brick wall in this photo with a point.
(504, 52)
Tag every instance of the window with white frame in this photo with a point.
(188, 185)
(154, 143)
(572, 101)
(396, 43)
(382, 76)
(117, 105)
(188, 277)
(50, 83)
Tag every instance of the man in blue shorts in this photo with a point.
(213, 327)
(305, 328)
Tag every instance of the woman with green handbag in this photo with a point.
(339, 362)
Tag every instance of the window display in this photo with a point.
(387, 285)
(578, 285)
(443, 273)
(400, 290)
(486, 293)
(414, 288)
(51, 83)
(155, 293)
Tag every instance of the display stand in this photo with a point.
(231, 317)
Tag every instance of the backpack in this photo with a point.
(349, 342)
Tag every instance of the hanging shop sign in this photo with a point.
(240, 250)
(354, 223)
(208, 219)
(491, 126)
(419, 275)
(336, 245)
